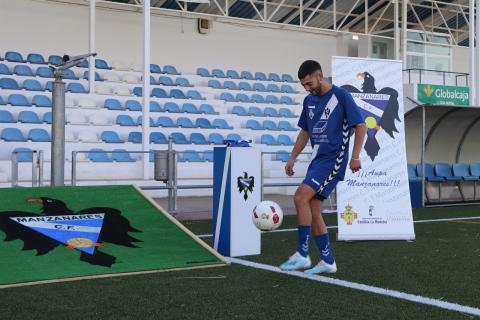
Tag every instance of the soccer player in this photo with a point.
(329, 114)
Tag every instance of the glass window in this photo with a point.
(415, 62)
(438, 63)
(415, 47)
(439, 50)
(415, 36)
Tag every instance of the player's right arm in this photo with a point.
(300, 144)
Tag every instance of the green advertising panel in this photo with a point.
(437, 94)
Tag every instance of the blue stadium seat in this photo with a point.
(461, 170)
(110, 137)
(44, 72)
(76, 88)
(179, 138)
(242, 97)
(171, 107)
(47, 118)
(239, 111)
(444, 170)
(286, 113)
(232, 74)
(272, 87)
(18, 100)
(287, 88)
(22, 70)
(2, 103)
(153, 81)
(182, 82)
(285, 125)
(227, 96)
(170, 70)
(166, 81)
(135, 137)
(282, 155)
(49, 86)
(28, 117)
(160, 93)
(215, 84)
(32, 85)
(9, 83)
(255, 111)
(253, 124)
(284, 140)
(260, 76)
(269, 125)
(158, 138)
(155, 68)
(287, 78)
(98, 155)
(122, 155)
(155, 106)
(429, 174)
(133, 105)
(113, 104)
(272, 99)
(203, 72)
(54, 59)
(24, 156)
(286, 100)
(268, 139)
(246, 75)
(125, 120)
(6, 117)
(475, 169)
(412, 174)
(138, 91)
(274, 77)
(258, 98)
(189, 108)
(12, 134)
(5, 70)
(102, 64)
(244, 86)
(198, 138)
(191, 156)
(86, 76)
(69, 74)
(207, 109)
(203, 123)
(13, 56)
(230, 85)
(83, 64)
(194, 95)
(184, 122)
(217, 73)
(38, 135)
(270, 112)
(233, 136)
(259, 87)
(208, 156)
(221, 124)
(215, 138)
(165, 122)
(151, 122)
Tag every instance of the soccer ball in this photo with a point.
(267, 216)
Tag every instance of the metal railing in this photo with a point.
(444, 74)
(37, 166)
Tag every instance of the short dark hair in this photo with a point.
(307, 68)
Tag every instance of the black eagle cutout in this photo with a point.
(245, 184)
(390, 114)
(115, 230)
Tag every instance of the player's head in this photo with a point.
(310, 75)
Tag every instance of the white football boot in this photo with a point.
(323, 267)
(296, 262)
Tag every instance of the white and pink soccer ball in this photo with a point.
(267, 216)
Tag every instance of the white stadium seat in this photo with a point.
(87, 103)
(130, 78)
(121, 91)
(69, 103)
(99, 120)
(76, 118)
(70, 136)
(120, 65)
(111, 76)
(87, 136)
(102, 89)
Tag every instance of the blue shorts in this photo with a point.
(318, 178)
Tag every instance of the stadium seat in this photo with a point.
(155, 68)
(198, 138)
(101, 64)
(217, 73)
(151, 122)
(32, 85)
(242, 97)
(44, 72)
(103, 89)
(221, 124)
(461, 170)
(76, 88)
(99, 120)
(203, 72)
(28, 117)
(286, 113)
(122, 155)
(475, 169)
(270, 112)
(24, 156)
(194, 95)
(49, 86)
(230, 85)
(272, 87)
(138, 91)
(12, 134)
(260, 76)
(274, 77)
(429, 174)
(189, 108)
(6, 117)
(215, 84)
(272, 99)
(5, 70)
(268, 139)
(155, 107)
(207, 109)
(55, 60)
(125, 120)
(287, 78)
(165, 122)
(282, 155)
(9, 83)
(113, 104)
(133, 105)
(111, 76)
(244, 86)
(184, 122)
(76, 118)
(13, 56)
(285, 125)
(259, 87)
(2, 103)
(232, 74)
(87, 103)
(191, 156)
(179, 138)
(284, 140)
(83, 64)
(412, 174)
(110, 137)
(286, 100)
(47, 118)
(18, 100)
(135, 137)
(233, 136)
(69, 74)
(255, 111)
(22, 70)
(253, 124)
(153, 81)
(444, 170)
(121, 91)
(258, 98)
(246, 75)
(239, 111)
(166, 81)
(158, 138)
(269, 125)
(208, 155)
(182, 82)
(203, 123)
(159, 93)
(287, 89)
(98, 155)
(170, 70)
(120, 65)
(38, 135)
(171, 107)
(69, 135)
(227, 96)
(130, 78)
(215, 138)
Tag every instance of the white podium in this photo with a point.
(236, 191)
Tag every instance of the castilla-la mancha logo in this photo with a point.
(349, 215)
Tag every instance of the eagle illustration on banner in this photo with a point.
(379, 108)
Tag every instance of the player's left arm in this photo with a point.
(355, 163)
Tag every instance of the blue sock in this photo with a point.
(323, 243)
(303, 239)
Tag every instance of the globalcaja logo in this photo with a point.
(349, 215)
(438, 94)
(245, 184)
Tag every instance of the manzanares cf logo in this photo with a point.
(245, 184)
(349, 215)
(379, 108)
(85, 230)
